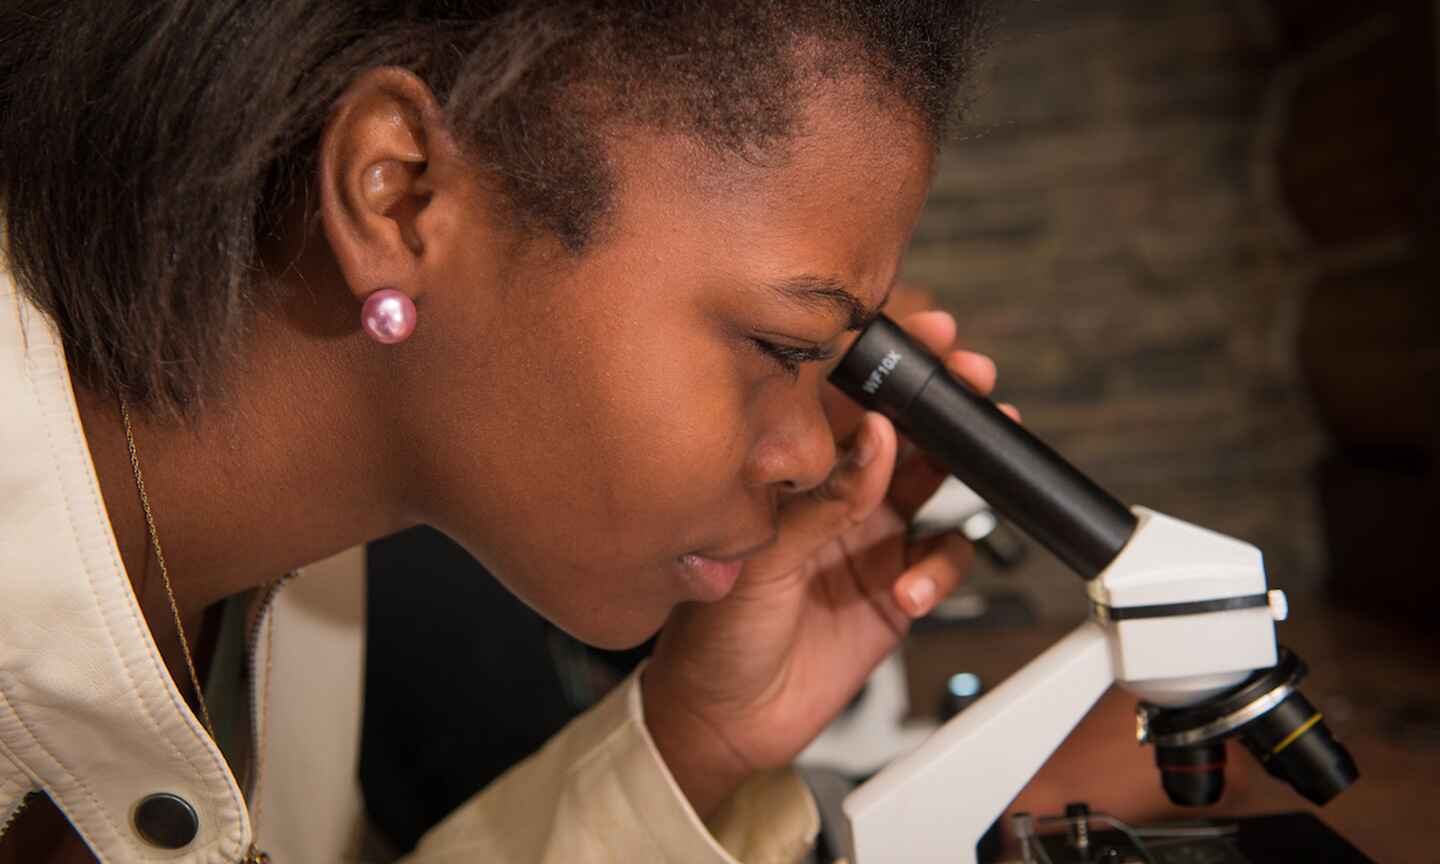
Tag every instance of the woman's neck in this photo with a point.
(280, 471)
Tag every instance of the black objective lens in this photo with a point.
(1192, 776)
(1274, 722)
(1294, 744)
(1022, 478)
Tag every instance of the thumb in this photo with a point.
(852, 491)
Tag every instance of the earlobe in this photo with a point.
(372, 189)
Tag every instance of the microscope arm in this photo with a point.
(1182, 614)
(934, 803)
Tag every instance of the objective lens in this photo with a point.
(1294, 745)
(1274, 721)
(1192, 776)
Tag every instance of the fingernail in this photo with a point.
(920, 593)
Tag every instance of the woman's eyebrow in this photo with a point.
(829, 293)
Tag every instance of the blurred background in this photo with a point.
(1193, 235)
(1198, 238)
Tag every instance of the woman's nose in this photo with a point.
(797, 452)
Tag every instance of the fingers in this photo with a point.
(941, 563)
(934, 329)
(937, 331)
(974, 369)
(978, 370)
(916, 479)
(908, 298)
(848, 496)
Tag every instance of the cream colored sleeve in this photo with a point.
(599, 792)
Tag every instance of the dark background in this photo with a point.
(1196, 237)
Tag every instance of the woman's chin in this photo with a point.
(613, 632)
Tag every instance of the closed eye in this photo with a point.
(791, 357)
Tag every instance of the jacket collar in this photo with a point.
(87, 710)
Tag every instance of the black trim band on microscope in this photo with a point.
(1017, 473)
(1168, 610)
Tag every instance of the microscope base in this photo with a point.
(1271, 839)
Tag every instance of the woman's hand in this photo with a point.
(744, 684)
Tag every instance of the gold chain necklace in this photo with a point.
(252, 855)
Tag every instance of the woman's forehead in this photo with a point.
(853, 166)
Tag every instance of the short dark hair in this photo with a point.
(148, 148)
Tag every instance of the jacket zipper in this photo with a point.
(252, 659)
(252, 642)
(15, 813)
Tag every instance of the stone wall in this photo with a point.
(1107, 228)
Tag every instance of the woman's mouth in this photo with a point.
(712, 578)
(709, 579)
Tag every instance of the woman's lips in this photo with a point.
(712, 578)
(708, 579)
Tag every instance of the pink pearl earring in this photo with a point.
(388, 316)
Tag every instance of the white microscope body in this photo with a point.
(1180, 615)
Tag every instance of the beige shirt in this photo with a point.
(89, 715)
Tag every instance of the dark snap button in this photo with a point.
(167, 821)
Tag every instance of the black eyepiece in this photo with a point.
(1022, 478)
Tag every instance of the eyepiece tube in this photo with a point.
(1017, 473)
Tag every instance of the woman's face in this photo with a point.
(612, 432)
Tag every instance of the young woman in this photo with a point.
(560, 279)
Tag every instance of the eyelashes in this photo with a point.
(789, 358)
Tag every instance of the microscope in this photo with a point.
(1180, 616)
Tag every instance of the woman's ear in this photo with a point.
(376, 179)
